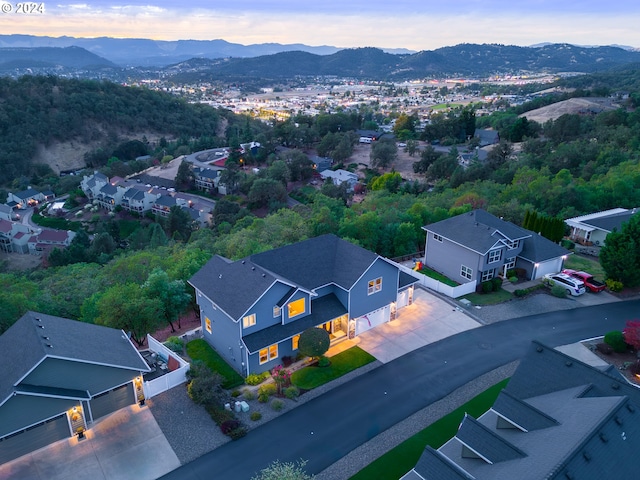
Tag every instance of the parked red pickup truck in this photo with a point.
(591, 283)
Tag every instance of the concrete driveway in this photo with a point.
(126, 444)
(427, 320)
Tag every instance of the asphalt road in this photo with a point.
(325, 429)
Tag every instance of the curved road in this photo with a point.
(325, 429)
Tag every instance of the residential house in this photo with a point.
(91, 184)
(14, 236)
(487, 136)
(60, 376)
(109, 196)
(592, 229)
(24, 199)
(6, 212)
(162, 205)
(478, 155)
(206, 179)
(321, 164)
(557, 418)
(341, 176)
(477, 246)
(253, 310)
(47, 239)
(138, 198)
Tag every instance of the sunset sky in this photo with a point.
(412, 24)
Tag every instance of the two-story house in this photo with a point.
(91, 184)
(206, 179)
(477, 246)
(253, 310)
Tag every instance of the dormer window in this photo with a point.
(513, 244)
(297, 307)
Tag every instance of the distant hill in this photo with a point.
(41, 57)
(464, 59)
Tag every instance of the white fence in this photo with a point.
(169, 380)
(433, 284)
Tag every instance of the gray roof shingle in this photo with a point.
(483, 441)
(521, 413)
(539, 249)
(435, 466)
(29, 341)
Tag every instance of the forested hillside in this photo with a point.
(42, 110)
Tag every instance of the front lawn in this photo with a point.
(491, 298)
(582, 264)
(398, 461)
(199, 349)
(55, 222)
(341, 364)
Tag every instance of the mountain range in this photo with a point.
(191, 60)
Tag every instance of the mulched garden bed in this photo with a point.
(622, 361)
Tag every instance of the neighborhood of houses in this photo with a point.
(62, 376)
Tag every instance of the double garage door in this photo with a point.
(372, 319)
(34, 438)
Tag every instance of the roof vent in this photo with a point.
(41, 326)
(615, 386)
(631, 408)
(49, 345)
(46, 338)
(586, 455)
(603, 437)
(253, 268)
(220, 276)
(618, 420)
(539, 349)
(264, 275)
(243, 262)
(568, 363)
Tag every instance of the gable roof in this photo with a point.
(537, 248)
(36, 336)
(611, 222)
(490, 446)
(477, 230)
(521, 414)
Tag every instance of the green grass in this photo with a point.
(199, 349)
(396, 462)
(442, 106)
(489, 298)
(576, 262)
(341, 364)
(438, 276)
(55, 222)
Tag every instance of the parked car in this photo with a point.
(591, 283)
(572, 285)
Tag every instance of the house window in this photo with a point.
(466, 272)
(276, 311)
(294, 342)
(207, 324)
(297, 307)
(267, 354)
(510, 263)
(249, 321)
(494, 256)
(513, 244)
(437, 237)
(488, 275)
(374, 286)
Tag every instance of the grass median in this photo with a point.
(399, 460)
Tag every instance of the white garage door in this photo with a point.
(372, 319)
(552, 266)
(403, 298)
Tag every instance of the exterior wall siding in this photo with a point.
(284, 349)
(361, 302)
(263, 309)
(53, 372)
(447, 257)
(225, 333)
(340, 293)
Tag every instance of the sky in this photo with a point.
(411, 24)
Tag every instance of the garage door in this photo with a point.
(552, 266)
(372, 319)
(403, 298)
(34, 438)
(113, 400)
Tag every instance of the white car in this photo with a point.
(401, 145)
(572, 285)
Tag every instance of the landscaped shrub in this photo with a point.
(558, 291)
(635, 367)
(282, 377)
(206, 389)
(249, 394)
(521, 292)
(568, 244)
(199, 349)
(197, 368)
(255, 416)
(513, 279)
(237, 433)
(324, 361)
(604, 348)
(614, 285)
(616, 340)
(277, 404)
(266, 391)
(229, 425)
(220, 415)
(236, 393)
(497, 283)
(257, 378)
(486, 287)
(292, 392)
(175, 344)
(287, 361)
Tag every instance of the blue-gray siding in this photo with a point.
(361, 302)
(225, 334)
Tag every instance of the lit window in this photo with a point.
(437, 237)
(374, 286)
(267, 354)
(207, 324)
(249, 321)
(488, 275)
(494, 256)
(296, 307)
(276, 311)
(466, 272)
(294, 342)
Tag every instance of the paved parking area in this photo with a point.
(427, 320)
(126, 444)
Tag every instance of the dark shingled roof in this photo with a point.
(477, 230)
(521, 413)
(611, 222)
(322, 310)
(486, 443)
(432, 465)
(29, 341)
(318, 261)
(539, 249)
(406, 279)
